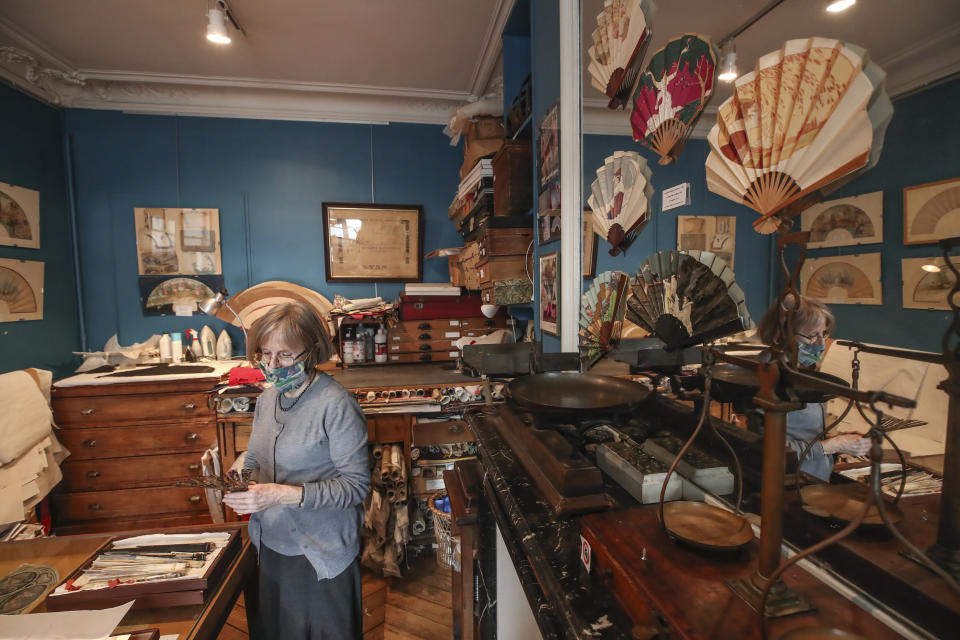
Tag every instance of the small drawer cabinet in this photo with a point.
(129, 442)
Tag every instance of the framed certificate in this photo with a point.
(373, 242)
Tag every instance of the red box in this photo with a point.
(439, 307)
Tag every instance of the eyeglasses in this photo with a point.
(282, 358)
(811, 339)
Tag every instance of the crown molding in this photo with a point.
(926, 61)
(491, 49)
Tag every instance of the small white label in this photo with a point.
(453, 343)
(585, 553)
(183, 309)
(453, 354)
(454, 323)
(394, 347)
(451, 334)
(394, 357)
(395, 338)
(678, 196)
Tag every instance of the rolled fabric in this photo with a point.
(405, 393)
(225, 405)
(436, 394)
(241, 403)
(396, 462)
(371, 396)
(414, 453)
(377, 451)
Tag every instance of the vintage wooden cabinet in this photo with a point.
(129, 442)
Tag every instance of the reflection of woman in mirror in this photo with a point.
(813, 323)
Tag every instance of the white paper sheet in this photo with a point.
(63, 625)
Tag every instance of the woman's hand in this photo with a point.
(262, 496)
(850, 443)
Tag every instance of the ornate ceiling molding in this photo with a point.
(490, 54)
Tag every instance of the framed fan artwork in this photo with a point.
(373, 242)
(843, 279)
(21, 290)
(177, 295)
(927, 282)
(549, 309)
(590, 240)
(931, 212)
(716, 234)
(845, 221)
(178, 241)
(19, 217)
(548, 213)
(548, 146)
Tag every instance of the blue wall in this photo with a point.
(921, 146)
(33, 158)
(268, 179)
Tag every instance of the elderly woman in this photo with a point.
(813, 323)
(308, 454)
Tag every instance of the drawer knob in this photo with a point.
(423, 325)
(193, 466)
(90, 443)
(95, 506)
(195, 499)
(426, 357)
(190, 406)
(424, 347)
(86, 412)
(191, 437)
(93, 474)
(424, 336)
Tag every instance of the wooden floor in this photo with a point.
(416, 607)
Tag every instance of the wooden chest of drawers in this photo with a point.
(128, 443)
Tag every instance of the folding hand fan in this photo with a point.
(623, 32)
(620, 199)
(601, 313)
(686, 298)
(671, 93)
(252, 303)
(809, 118)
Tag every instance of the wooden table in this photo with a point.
(198, 622)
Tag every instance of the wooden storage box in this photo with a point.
(469, 260)
(505, 268)
(504, 292)
(484, 137)
(146, 595)
(504, 242)
(513, 179)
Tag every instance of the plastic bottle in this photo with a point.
(348, 345)
(224, 346)
(368, 343)
(166, 348)
(195, 346)
(359, 350)
(208, 341)
(380, 340)
(176, 347)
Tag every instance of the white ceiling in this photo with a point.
(390, 60)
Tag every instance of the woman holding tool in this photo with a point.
(308, 455)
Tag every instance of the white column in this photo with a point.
(571, 174)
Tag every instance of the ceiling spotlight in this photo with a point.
(932, 268)
(836, 6)
(728, 62)
(217, 28)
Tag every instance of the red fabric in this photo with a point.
(245, 375)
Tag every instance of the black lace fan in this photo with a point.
(687, 298)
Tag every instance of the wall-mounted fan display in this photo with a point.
(687, 298)
(671, 93)
(808, 119)
(601, 314)
(623, 33)
(620, 199)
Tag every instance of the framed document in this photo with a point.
(178, 241)
(373, 242)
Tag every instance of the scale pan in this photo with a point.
(732, 382)
(706, 527)
(843, 502)
(563, 393)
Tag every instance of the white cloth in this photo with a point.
(25, 481)
(25, 415)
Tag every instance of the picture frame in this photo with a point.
(22, 283)
(716, 234)
(590, 240)
(548, 146)
(930, 213)
(19, 216)
(845, 221)
(373, 242)
(549, 288)
(176, 295)
(548, 211)
(924, 288)
(847, 279)
(178, 241)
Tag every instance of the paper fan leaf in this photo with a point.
(671, 92)
(623, 33)
(602, 310)
(620, 199)
(687, 298)
(810, 117)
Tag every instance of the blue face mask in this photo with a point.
(809, 354)
(285, 378)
